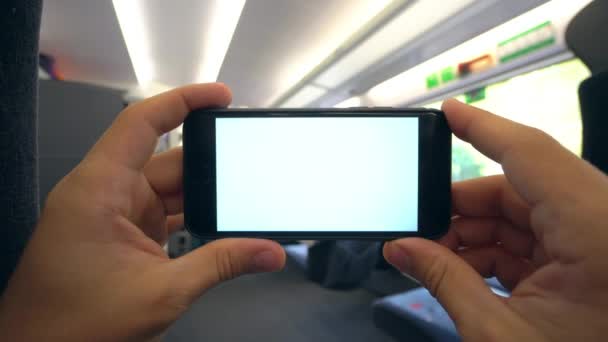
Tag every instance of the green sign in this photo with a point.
(475, 95)
(526, 42)
(432, 81)
(448, 74)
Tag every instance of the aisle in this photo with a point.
(278, 307)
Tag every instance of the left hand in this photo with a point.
(94, 269)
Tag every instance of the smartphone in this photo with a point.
(357, 173)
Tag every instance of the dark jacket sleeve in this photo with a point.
(593, 95)
(19, 32)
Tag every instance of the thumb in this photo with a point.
(457, 286)
(225, 259)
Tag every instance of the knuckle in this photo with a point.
(129, 117)
(226, 265)
(435, 274)
(539, 139)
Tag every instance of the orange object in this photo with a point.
(478, 64)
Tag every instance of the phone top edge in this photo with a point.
(318, 111)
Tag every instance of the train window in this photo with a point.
(546, 99)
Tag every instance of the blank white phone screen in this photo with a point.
(317, 174)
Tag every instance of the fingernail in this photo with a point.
(398, 257)
(265, 261)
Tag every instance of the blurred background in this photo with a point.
(508, 57)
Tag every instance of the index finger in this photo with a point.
(490, 196)
(536, 165)
(132, 138)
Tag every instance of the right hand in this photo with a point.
(541, 229)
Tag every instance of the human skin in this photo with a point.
(540, 229)
(95, 269)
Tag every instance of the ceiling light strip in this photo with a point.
(223, 20)
(376, 23)
(420, 17)
(130, 17)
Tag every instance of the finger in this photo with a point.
(164, 171)
(222, 260)
(496, 262)
(174, 203)
(480, 232)
(131, 139)
(490, 197)
(539, 256)
(164, 174)
(534, 163)
(455, 284)
(175, 223)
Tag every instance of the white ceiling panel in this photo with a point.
(277, 42)
(177, 31)
(304, 97)
(412, 22)
(86, 41)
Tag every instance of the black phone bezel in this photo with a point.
(199, 172)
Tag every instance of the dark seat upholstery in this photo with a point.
(19, 30)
